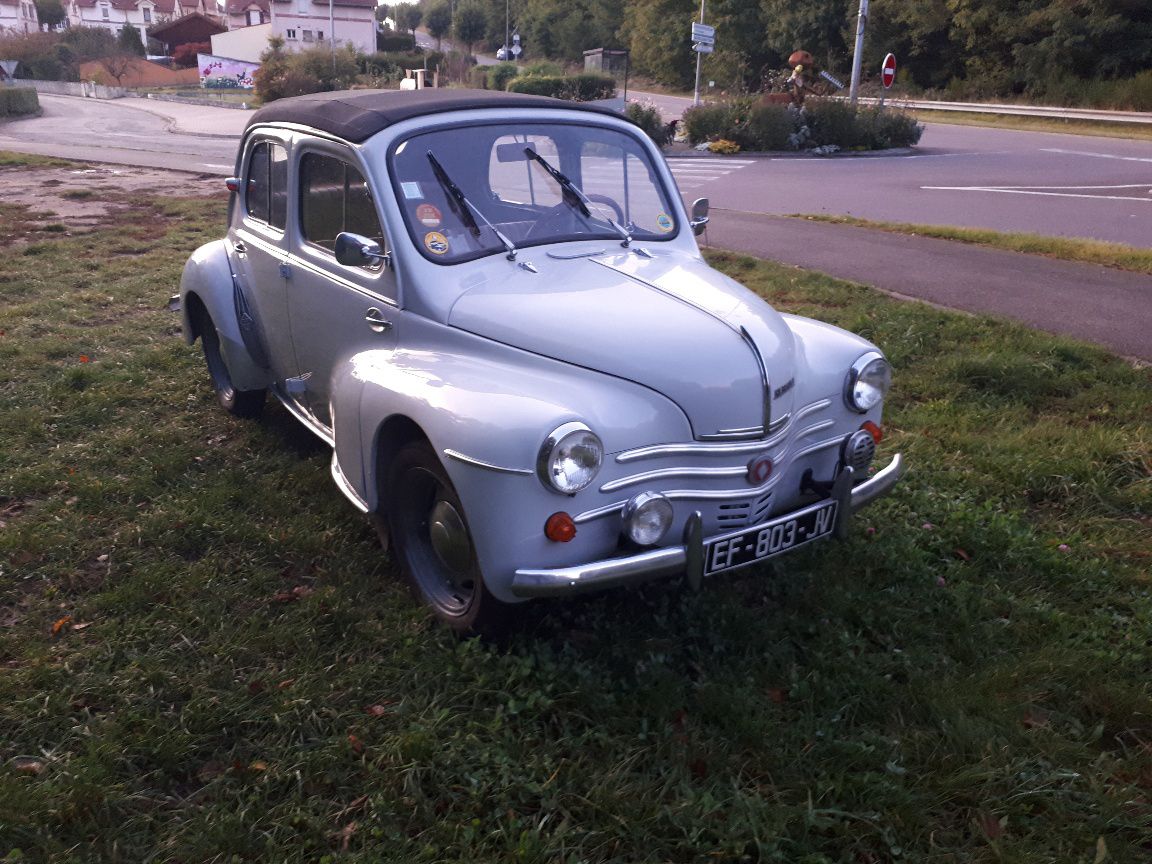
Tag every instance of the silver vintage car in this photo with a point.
(493, 308)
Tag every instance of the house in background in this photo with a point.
(303, 23)
(141, 14)
(194, 28)
(246, 13)
(18, 16)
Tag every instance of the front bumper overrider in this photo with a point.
(688, 558)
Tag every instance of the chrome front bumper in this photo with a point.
(688, 558)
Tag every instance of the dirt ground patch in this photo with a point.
(82, 196)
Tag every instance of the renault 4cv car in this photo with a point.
(493, 308)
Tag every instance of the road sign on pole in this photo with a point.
(888, 71)
(702, 34)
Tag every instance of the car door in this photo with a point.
(258, 250)
(337, 310)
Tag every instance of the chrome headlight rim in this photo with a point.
(646, 501)
(861, 369)
(552, 442)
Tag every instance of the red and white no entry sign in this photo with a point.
(888, 72)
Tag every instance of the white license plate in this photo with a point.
(729, 551)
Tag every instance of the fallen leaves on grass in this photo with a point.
(60, 624)
(297, 593)
(990, 826)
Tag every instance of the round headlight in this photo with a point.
(647, 518)
(868, 382)
(570, 458)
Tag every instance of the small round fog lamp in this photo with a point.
(647, 518)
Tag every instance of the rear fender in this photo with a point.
(207, 286)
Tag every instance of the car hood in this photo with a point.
(669, 322)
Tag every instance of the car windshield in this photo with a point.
(468, 191)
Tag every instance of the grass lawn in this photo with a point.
(205, 658)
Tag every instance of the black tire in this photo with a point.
(239, 403)
(443, 572)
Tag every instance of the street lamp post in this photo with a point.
(858, 53)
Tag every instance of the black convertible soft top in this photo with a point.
(356, 115)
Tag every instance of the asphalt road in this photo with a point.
(959, 176)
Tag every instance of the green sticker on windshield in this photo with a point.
(664, 222)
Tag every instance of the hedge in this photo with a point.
(574, 88)
(17, 101)
(820, 123)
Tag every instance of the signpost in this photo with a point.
(887, 75)
(703, 42)
(858, 51)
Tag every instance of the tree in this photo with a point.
(408, 17)
(118, 65)
(470, 25)
(50, 12)
(438, 20)
(129, 41)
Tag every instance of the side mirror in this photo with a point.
(353, 250)
(699, 219)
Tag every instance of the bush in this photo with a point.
(184, 56)
(884, 128)
(500, 74)
(389, 41)
(769, 127)
(312, 71)
(833, 123)
(479, 78)
(18, 101)
(543, 68)
(648, 118)
(708, 122)
(574, 88)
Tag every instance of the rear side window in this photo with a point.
(266, 199)
(334, 197)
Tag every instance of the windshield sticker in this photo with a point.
(664, 222)
(429, 216)
(411, 190)
(436, 243)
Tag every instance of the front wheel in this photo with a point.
(434, 547)
(239, 403)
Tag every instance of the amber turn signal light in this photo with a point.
(872, 429)
(560, 528)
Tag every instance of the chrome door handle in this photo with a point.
(376, 321)
(240, 248)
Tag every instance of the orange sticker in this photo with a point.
(429, 216)
(436, 243)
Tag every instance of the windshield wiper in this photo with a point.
(571, 191)
(466, 208)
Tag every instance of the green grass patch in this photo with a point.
(9, 159)
(1094, 128)
(204, 657)
(1088, 251)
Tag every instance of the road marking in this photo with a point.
(691, 171)
(215, 165)
(1042, 190)
(1095, 155)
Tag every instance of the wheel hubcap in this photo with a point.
(449, 537)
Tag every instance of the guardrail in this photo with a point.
(1023, 110)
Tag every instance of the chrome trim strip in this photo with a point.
(696, 448)
(814, 428)
(480, 463)
(314, 426)
(531, 582)
(779, 423)
(570, 256)
(344, 486)
(729, 434)
(606, 510)
(764, 383)
(813, 408)
(665, 473)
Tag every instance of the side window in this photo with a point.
(266, 196)
(516, 179)
(334, 197)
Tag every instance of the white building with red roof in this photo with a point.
(245, 13)
(18, 16)
(303, 23)
(141, 14)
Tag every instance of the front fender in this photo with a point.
(207, 284)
